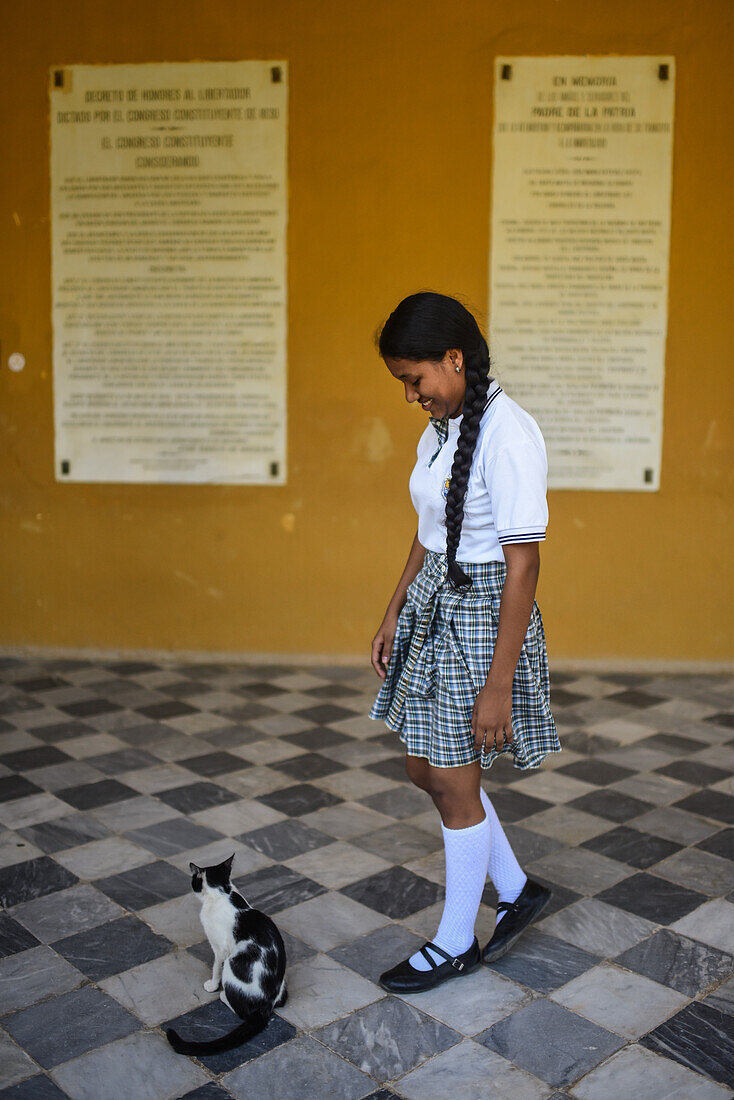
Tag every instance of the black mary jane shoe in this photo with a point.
(518, 916)
(404, 978)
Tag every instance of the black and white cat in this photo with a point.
(249, 959)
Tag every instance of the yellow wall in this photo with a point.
(389, 182)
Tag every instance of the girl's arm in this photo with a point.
(493, 705)
(383, 639)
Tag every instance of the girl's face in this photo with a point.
(438, 387)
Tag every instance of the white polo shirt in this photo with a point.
(506, 492)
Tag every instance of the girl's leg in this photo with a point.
(466, 834)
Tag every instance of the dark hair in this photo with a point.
(423, 327)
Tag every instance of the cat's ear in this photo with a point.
(228, 863)
(194, 869)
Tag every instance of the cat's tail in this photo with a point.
(250, 1027)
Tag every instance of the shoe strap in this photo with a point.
(508, 905)
(439, 951)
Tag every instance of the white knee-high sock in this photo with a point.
(467, 858)
(504, 870)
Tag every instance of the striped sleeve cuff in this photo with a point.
(522, 534)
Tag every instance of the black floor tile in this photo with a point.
(599, 772)
(302, 798)
(677, 961)
(610, 804)
(90, 796)
(64, 1027)
(166, 838)
(42, 683)
(309, 765)
(124, 760)
(711, 804)
(700, 1037)
(65, 832)
(652, 897)
(39, 1087)
(16, 786)
(720, 844)
(172, 709)
(113, 947)
(320, 737)
(211, 1021)
(213, 763)
(670, 742)
(324, 713)
(285, 839)
(89, 708)
(196, 796)
(144, 886)
(35, 878)
(693, 771)
(514, 805)
(725, 719)
(14, 937)
(627, 845)
(637, 699)
(274, 888)
(543, 962)
(391, 768)
(395, 892)
(260, 690)
(42, 756)
(562, 698)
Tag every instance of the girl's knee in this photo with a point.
(418, 772)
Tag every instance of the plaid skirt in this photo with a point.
(440, 660)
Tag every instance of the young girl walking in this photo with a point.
(461, 649)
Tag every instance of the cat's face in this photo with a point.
(211, 879)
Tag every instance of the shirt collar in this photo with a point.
(442, 426)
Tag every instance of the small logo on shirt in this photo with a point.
(445, 489)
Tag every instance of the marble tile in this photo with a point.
(553, 786)
(320, 991)
(15, 1065)
(31, 810)
(323, 922)
(133, 813)
(621, 1075)
(31, 975)
(34, 878)
(356, 783)
(399, 802)
(580, 870)
(298, 799)
(73, 910)
(102, 857)
(144, 886)
(300, 1067)
(178, 920)
(113, 947)
(162, 777)
(474, 1003)
(69, 774)
(396, 892)
(275, 888)
(652, 787)
(711, 923)
(39, 1087)
(627, 1004)
(399, 842)
(596, 927)
(65, 832)
(676, 825)
(285, 839)
(367, 1038)
(722, 998)
(15, 848)
(209, 855)
(528, 845)
(710, 804)
(699, 870)
(14, 938)
(149, 990)
(345, 821)
(676, 961)
(700, 1037)
(196, 796)
(566, 824)
(63, 1027)
(640, 850)
(371, 954)
(245, 815)
(543, 962)
(457, 1073)
(146, 1063)
(212, 1020)
(610, 804)
(336, 864)
(175, 834)
(564, 1046)
(652, 897)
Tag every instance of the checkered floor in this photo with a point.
(114, 775)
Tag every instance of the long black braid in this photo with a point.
(422, 328)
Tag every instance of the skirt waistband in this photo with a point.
(487, 577)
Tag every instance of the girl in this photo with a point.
(462, 638)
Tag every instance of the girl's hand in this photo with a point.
(491, 718)
(382, 644)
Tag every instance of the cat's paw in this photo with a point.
(211, 986)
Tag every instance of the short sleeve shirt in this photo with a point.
(506, 492)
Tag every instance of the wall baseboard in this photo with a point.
(656, 666)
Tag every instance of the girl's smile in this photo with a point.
(439, 388)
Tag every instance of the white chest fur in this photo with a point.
(217, 918)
